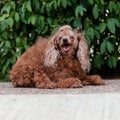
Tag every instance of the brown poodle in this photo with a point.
(61, 61)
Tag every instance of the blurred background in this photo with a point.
(21, 21)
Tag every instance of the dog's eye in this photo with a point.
(60, 38)
(71, 37)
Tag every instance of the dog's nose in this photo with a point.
(65, 40)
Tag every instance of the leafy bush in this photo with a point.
(22, 20)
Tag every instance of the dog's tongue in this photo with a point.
(66, 48)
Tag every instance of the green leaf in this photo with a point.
(64, 3)
(8, 44)
(59, 1)
(90, 32)
(91, 2)
(88, 39)
(50, 6)
(82, 9)
(10, 22)
(109, 46)
(3, 25)
(103, 47)
(118, 3)
(33, 19)
(116, 21)
(37, 4)
(98, 61)
(95, 11)
(77, 23)
(12, 4)
(2, 18)
(55, 5)
(42, 9)
(45, 30)
(79, 10)
(16, 16)
(4, 68)
(1, 44)
(102, 27)
(112, 61)
(113, 6)
(7, 23)
(87, 23)
(111, 25)
(28, 6)
(49, 20)
(41, 23)
(110, 6)
(6, 8)
(97, 34)
(69, 19)
(102, 2)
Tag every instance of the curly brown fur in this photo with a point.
(61, 61)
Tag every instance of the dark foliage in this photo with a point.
(22, 20)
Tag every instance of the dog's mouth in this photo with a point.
(66, 47)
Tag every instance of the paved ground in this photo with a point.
(87, 103)
(112, 86)
(60, 107)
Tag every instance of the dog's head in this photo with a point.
(66, 42)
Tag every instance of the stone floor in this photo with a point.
(112, 86)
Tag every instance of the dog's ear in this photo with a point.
(51, 53)
(83, 52)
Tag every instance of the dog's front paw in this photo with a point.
(69, 83)
(98, 80)
(45, 85)
(76, 84)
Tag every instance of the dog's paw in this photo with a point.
(77, 83)
(45, 86)
(85, 83)
(97, 80)
(69, 83)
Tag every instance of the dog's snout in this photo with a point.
(65, 40)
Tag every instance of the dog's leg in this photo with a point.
(69, 83)
(42, 81)
(22, 76)
(93, 80)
